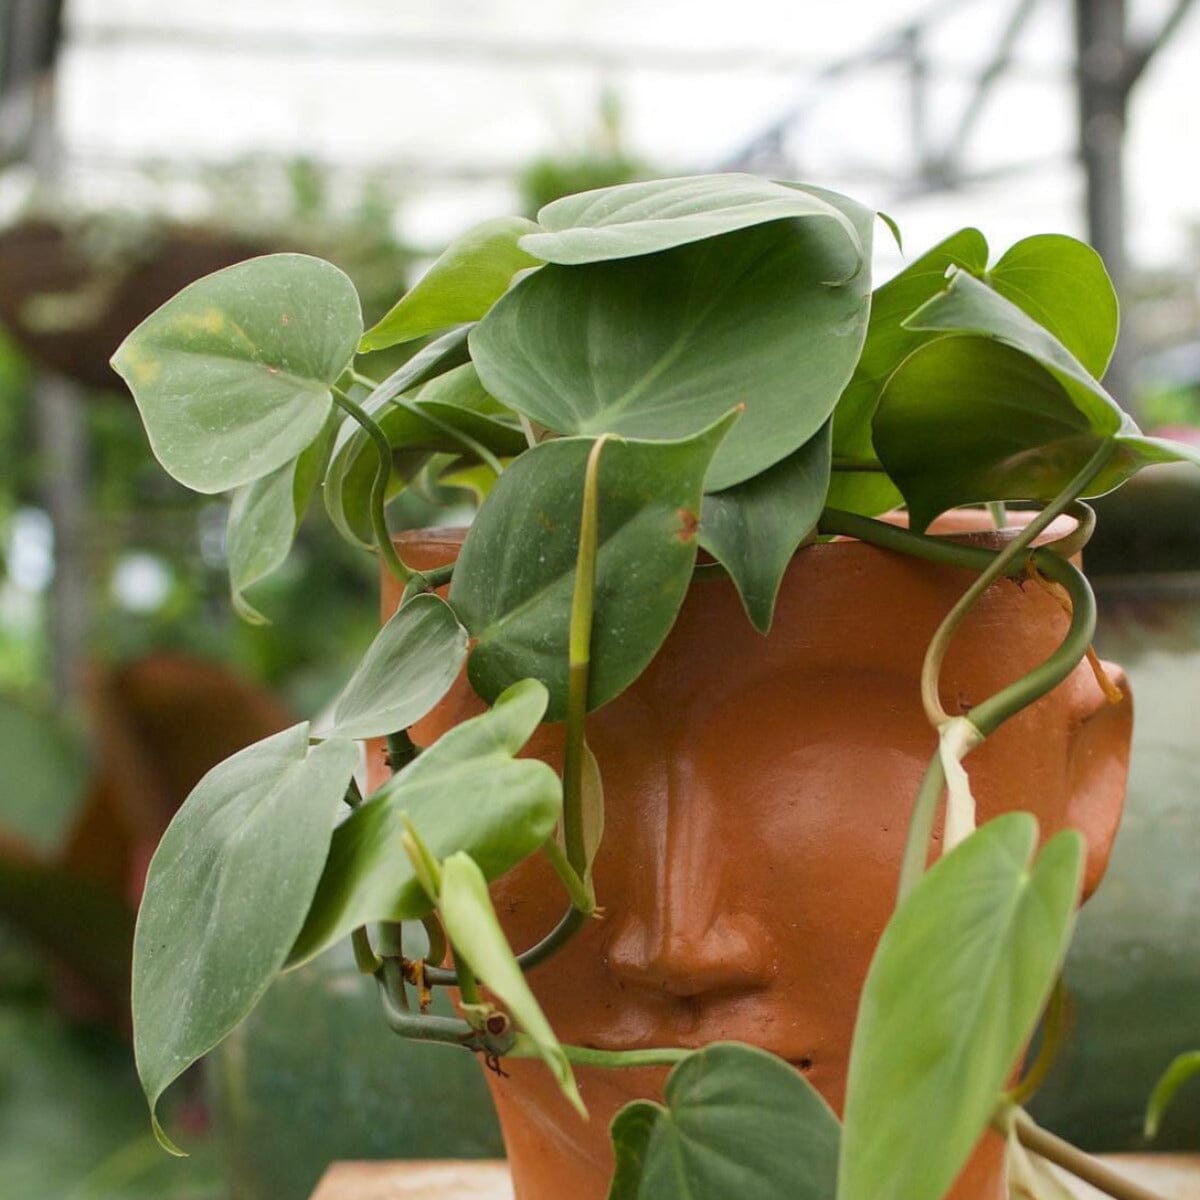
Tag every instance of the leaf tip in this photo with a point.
(160, 1136)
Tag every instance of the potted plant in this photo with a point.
(644, 373)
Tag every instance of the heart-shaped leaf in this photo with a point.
(515, 576)
(466, 792)
(473, 928)
(737, 1122)
(887, 344)
(1061, 283)
(263, 519)
(753, 529)
(1031, 420)
(226, 895)
(633, 219)
(961, 973)
(406, 670)
(660, 346)
(471, 274)
(232, 376)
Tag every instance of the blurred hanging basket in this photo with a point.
(70, 292)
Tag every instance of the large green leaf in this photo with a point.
(264, 516)
(474, 930)
(633, 219)
(471, 274)
(998, 409)
(887, 344)
(753, 529)
(961, 973)
(226, 895)
(232, 376)
(737, 1122)
(466, 792)
(447, 397)
(663, 345)
(1061, 283)
(515, 576)
(406, 670)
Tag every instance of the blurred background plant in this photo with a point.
(141, 149)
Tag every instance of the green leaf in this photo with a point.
(634, 219)
(660, 346)
(737, 1122)
(1061, 283)
(226, 895)
(887, 344)
(263, 519)
(515, 576)
(469, 277)
(961, 973)
(969, 306)
(1182, 1069)
(1009, 415)
(406, 670)
(753, 529)
(450, 398)
(466, 792)
(473, 928)
(232, 376)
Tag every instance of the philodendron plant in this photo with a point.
(643, 373)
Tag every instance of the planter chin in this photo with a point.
(757, 793)
(746, 828)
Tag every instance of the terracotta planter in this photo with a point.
(758, 791)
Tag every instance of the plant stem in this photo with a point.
(430, 1027)
(585, 1056)
(571, 923)
(1083, 1166)
(400, 750)
(437, 941)
(383, 473)
(468, 985)
(1014, 551)
(365, 958)
(464, 439)
(988, 715)
(579, 653)
(1053, 1032)
(426, 581)
(576, 888)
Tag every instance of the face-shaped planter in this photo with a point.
(757, 797)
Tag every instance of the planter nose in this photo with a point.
(692, 958)
(688, 935)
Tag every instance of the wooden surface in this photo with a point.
(1172, 1176)
(415, 1181)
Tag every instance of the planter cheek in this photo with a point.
(758, 791)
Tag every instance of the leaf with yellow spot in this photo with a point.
(233, 375)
